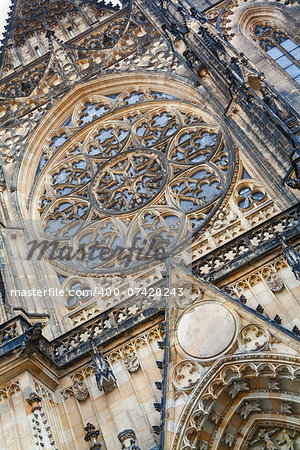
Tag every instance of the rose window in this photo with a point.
(142, 174)
(128, 181)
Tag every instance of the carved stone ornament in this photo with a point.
(275, 438)
(131, 362)
(92, 435)
(105, 378)
(253, 338)
(32, 335)
(236, 387)
(2, 180)
(186, 374)
(292, 257)
(274, 282)
(34, 399)
(128, 440)
(248, 408)
(229, 440)
(191, 292)
(80, 391)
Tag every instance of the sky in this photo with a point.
(4, 6)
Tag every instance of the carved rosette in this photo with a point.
(186, 374)
(253, 338)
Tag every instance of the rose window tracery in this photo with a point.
(128, 181)
(131, 181)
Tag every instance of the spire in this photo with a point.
(27, 19)
(292, 257)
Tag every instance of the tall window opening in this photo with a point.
(280, 47)
(71, 32)
(38, 51)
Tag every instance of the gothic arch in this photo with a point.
(115, 122)
(237, 403)
(237, 20)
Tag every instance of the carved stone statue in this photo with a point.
(236, 387)
(248, 408)
(104, 375)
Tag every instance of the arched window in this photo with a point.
(280, 47)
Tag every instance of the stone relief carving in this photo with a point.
(79, 389)
(286, 408)
(224, 218)
(275, 438)
(229, 440)
(253, 338)
(236, 387)
(191, 291)
(248, 408)
(216, 417)
(274, 385)
(274, 282)
(186, 374)
(131, 362)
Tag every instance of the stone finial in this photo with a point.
(292, 257)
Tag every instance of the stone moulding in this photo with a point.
(219, 377)
(248, 246)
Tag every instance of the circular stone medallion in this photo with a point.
(253, 338)
(206, 331)
(128, 181)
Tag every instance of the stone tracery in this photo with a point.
(169, 154)
(258, 414)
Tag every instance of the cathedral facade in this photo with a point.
(149, 215)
